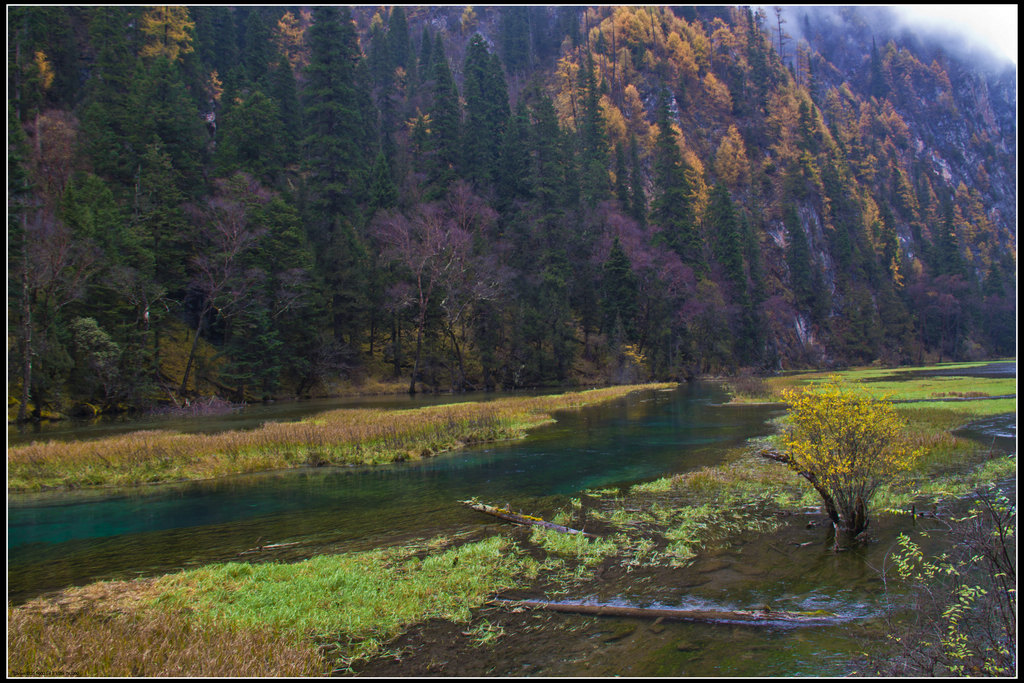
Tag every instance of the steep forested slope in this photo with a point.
(257, 201)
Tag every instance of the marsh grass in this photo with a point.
(338, 437)
(149, 644)
(268, 619)
(576, 547)
(891, 383)
(352, 603)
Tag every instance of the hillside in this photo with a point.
(454, 198)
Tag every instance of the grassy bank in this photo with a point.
(269, 619)
(339, 437)
(896, 384)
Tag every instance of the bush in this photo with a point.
(962, 610)
(846, 443)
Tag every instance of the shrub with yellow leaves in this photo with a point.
(846, 443)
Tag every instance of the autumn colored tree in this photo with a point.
(846, 443)
(168, 32)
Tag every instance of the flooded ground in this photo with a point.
(792, 569)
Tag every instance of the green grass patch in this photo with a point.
(890, 383)
(574, 547)
(357, 601)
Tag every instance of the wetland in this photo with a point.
(688, 518)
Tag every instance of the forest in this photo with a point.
(266, 202)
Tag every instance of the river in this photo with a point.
(56, 539)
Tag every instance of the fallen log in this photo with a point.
(517, 518)
(761, 616)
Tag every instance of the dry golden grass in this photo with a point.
(91, 643)
(338, 437)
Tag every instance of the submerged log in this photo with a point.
(761, 616)
(517, 518)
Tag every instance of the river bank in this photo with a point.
(343, 437)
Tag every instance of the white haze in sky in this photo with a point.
(986, 27)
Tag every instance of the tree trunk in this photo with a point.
(510, 516)
(763, 615)
(458, 383)
(416, 360)
(192, 354)
(396, 344)
(26, 329)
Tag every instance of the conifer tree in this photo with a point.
(637, 196)
(548, 159)
(671, 209)
(619, 292)
(726, 241)
(514, 175)
(398, 39)
(338, 133)
(593, 142)
(487, 113)
(445, 125)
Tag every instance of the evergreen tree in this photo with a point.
(593, 142)
(621, 184)
(252, 139)
(398, 39)
(445, 125)
(671, 209)
(637, 196)
(945, 248)
(619, 293)
(515, 39)
(337, 133)
(257, 48)
(548, 155)
(487, 113)
(806, 279)
(515, 177)
(105, 113)
(726, 241)
(163, 111)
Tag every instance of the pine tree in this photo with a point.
(549, 161)
(637, 196)
(619, 292)
(445, 125)
(593, 142)
(398, 39)
(337, 133)
(487, 113)
(514, 176)
(515, 39)
(105, 113)
(163, 111)
(251, 138)
(671, 209)
(725, 240)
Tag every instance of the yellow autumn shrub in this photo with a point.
(847, 443)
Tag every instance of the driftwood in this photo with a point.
(517, 518)
(761, 616)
